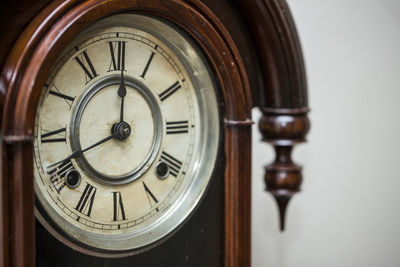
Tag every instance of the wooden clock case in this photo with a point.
(253, 48)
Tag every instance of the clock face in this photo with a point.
(126, 136)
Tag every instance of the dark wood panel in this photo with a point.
(11, 11)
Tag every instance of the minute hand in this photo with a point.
(78, 153)
(122, 94)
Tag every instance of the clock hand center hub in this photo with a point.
(123, 129)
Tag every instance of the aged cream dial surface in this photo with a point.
(127, 132)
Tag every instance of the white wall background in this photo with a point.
(348, 213)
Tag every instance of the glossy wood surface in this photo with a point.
(255, 52)
(26, 70)
(283, 99)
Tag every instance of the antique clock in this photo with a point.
(126, 128)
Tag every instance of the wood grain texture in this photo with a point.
(26, 70)
(10, 33)
(278, 47)
(283, 100)
(283, 128)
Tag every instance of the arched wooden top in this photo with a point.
(283, 97)
(28, 66)
(33, 55)
(278, 47)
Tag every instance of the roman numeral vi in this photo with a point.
(119, 212)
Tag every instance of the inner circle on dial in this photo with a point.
(130, 153)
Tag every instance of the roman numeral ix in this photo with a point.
(173, 164)
(54, 136)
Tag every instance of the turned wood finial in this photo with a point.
(282, 97)
(283, 128)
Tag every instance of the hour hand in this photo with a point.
(122, 94)
(78, 153)
(75, 154)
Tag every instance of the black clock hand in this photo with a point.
(122, 94)
(78, 153)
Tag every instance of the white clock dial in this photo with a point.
(126, 135)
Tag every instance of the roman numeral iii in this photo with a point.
(54, 136)
(177, 127)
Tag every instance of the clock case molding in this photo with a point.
(253, 47)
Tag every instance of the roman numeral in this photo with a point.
(57, 175)
(85, 203)
(117, 52)
(173, 164)
(177, 127)
(59, 132)
(83, 60)
(150, 196)
(119, 212)
(68, 99)
(148, 63)
(170, 91)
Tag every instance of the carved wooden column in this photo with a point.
(283, 98)
(283, 128)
